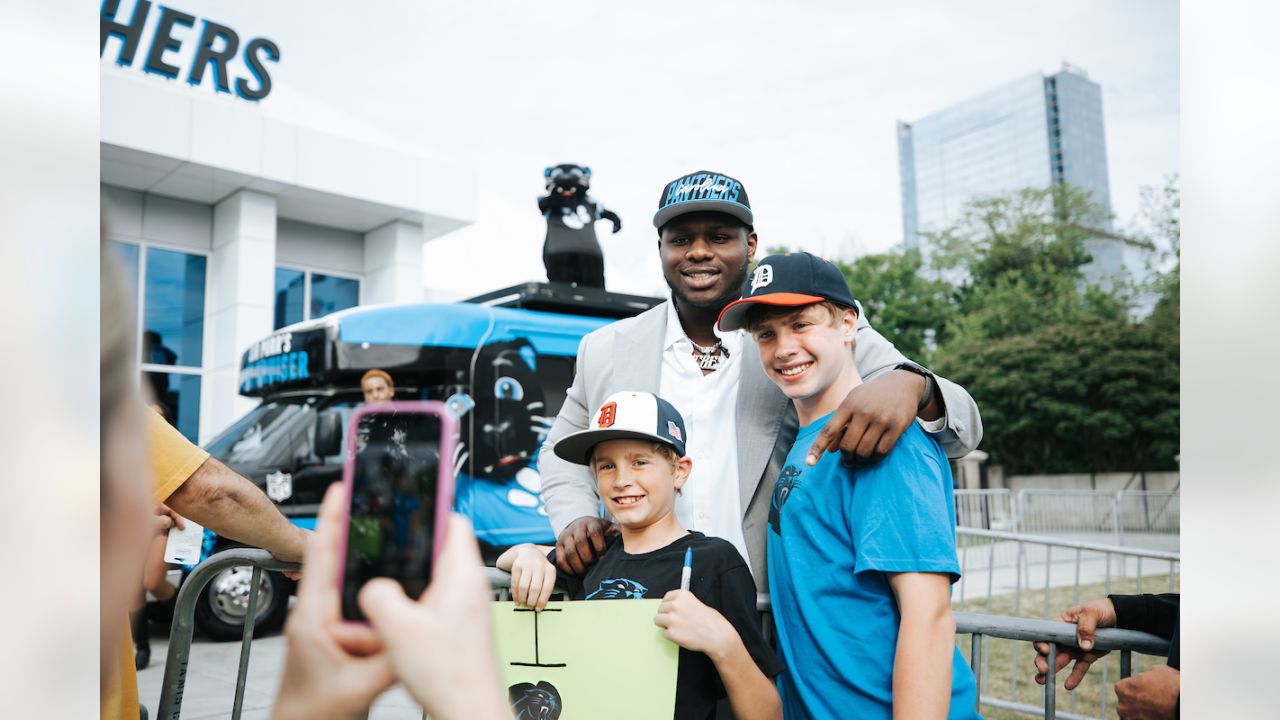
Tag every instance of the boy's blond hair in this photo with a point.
(667, 452)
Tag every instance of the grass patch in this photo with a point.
(1007, 659)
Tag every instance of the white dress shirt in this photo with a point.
(710, 500)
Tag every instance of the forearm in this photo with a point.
(922, 665)
(752, 695)
(875, 356)
(228, 504)
(1155, 614)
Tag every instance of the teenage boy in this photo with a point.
(635, 447)
(861, 559)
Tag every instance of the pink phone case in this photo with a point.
(444, 477)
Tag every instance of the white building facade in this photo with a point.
(234, 219)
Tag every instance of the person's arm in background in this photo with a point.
(926, 645)
(199, 487)
(875, 414)
(1155, 614)
(569, 490)
(1155, 693)
(225, 502)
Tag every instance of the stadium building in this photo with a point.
(239, 204)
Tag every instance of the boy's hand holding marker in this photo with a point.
(691, 624)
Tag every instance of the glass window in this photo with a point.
(289, 296)
(173, 302)
(128, 255)
(178, 395)
(331, 294)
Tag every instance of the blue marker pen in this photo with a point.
(687, 571)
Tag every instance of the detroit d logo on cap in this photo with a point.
(763, 275)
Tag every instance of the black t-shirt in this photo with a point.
(719, 578)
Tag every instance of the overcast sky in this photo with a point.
(797, 100)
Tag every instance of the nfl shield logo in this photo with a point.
(279, 485)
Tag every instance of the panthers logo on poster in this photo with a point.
(534, 702)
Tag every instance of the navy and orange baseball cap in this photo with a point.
(626, 415)
(703, 190)
(789, 280)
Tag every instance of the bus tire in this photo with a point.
(224, 604)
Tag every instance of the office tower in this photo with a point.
(1036, 131)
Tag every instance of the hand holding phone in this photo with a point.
(442, 644)
(399, 495)
(331, 668)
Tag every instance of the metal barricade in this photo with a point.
(1024, 576)
(1148, 518)
(987, 509)
(183, 627)
(1138, 518)
(1087, 515)
(1058, 634)
(981, 626)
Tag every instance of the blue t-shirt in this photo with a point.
(833, 534)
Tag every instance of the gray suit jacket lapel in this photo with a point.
(638, 360)
(761, 409)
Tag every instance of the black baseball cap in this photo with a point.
(626, 415)
(789, 280)
(703, 190)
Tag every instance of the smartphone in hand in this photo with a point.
(399, 478)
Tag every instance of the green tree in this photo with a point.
(1160, 224)
(1065, 379)
(911, 309)
(1018, 263)
(1094, 395)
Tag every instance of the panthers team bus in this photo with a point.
(502, 361)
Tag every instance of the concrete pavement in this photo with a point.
(211, 681)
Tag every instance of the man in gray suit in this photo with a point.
(740, 425)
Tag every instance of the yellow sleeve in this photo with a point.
(173, 457)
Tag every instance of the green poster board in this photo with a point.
(581, 659)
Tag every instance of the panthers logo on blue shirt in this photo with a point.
(619, 588)
(781, 491)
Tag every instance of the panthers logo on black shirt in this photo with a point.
(781, 491)
(618, 588)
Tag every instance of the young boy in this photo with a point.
(635, 447)
(861, 560)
